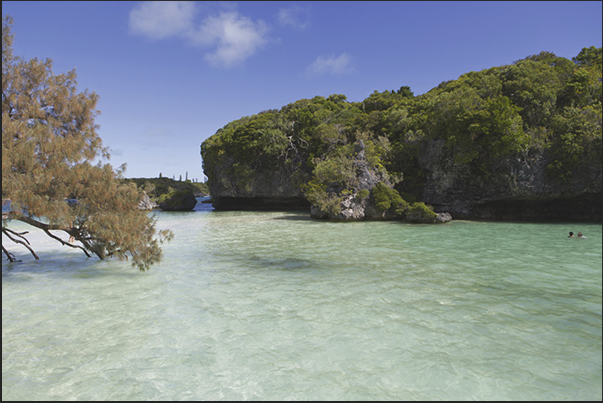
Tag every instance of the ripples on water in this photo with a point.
(277, 306)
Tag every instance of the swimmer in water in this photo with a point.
(581, 236)
(571, 235)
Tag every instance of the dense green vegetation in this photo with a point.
(387, 199)
(543, 101)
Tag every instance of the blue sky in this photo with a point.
(169, 74)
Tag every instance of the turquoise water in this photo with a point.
(276, 306)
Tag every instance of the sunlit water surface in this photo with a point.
(276, 306)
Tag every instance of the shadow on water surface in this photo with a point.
(255, 262)
(285, 264)
(65, 265)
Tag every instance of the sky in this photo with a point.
(170, 74)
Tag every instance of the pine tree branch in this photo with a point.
(66, 243)
(47, 228)
(8, 232)
(19, 234)
(9, 255)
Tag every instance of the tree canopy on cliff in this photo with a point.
(542, 101)
(49, 142)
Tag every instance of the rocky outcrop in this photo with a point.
(439, 218)
(146, 203)
(260, 203)
(261, 189)
(357, 202)
(351, 207)
(183, 200)
(516, 188)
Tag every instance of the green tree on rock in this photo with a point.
(49, 142)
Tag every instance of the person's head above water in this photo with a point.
(571, 234)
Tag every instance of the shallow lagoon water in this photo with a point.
(277, 306)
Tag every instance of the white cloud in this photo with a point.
(294, 16)
(332, 65)
(161, 19)
(233, 36)
(230, 37)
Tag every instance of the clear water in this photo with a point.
(276, 306)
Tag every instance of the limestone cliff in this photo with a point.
(350, 203)
(233, 188)
(516, 188)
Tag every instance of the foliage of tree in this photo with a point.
(49, 143)
(388, 200)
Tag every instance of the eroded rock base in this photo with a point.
(260, 203)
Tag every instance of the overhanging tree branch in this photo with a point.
(47, 228)
(25, 243)
(9, 255)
